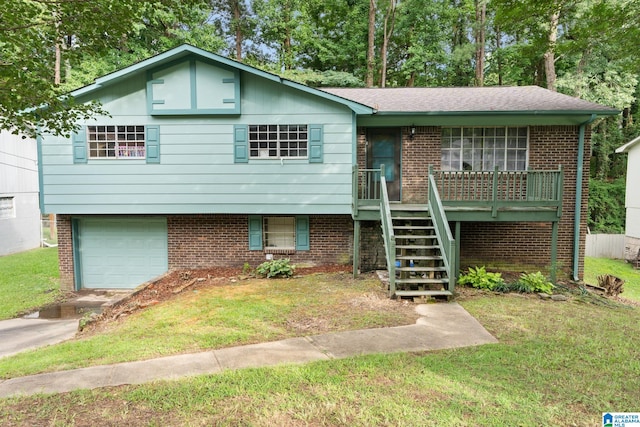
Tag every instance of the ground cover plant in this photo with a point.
(28, 280)
(556, 363)
(594, 267)
(221, 312)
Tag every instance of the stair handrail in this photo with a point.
(443, 231)
(388, 235)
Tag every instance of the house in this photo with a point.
(19, 208)
(205, 161)
(632, 199)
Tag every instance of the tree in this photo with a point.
(371, 37)
(30, 30)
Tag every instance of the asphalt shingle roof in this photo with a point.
(467, 99)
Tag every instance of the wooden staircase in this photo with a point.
(420, 270)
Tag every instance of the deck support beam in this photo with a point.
(356, 248)
(457, 238)
(554, 250)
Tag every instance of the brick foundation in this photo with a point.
(200, 241)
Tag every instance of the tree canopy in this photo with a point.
(585, 48)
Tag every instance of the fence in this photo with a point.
(605, 246)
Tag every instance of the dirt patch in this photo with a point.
(177, 281)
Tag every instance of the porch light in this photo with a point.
(412, 132)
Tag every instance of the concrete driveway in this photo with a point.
(22, 334)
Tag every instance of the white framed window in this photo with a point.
(484, 148)
(276, 141)
(7, 207)
(279, 232)
(116, 142)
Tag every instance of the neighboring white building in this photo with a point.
(632, 199)
(19, 206)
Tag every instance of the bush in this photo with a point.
(277, 267)
(480, 278)
(533, 282)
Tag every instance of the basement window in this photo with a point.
(279, 233)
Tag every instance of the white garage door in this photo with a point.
(121, 252)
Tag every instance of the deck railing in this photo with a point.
(366, 187)
(388, 235)
(500, 189)
(443, 233)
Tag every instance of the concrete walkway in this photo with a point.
(17, 335)
(442, 325)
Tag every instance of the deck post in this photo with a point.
(457, 237)
(356, 248)
(494, 194)
(554, 250)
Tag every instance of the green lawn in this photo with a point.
(593, 267)
(28, 280)
(557, 363)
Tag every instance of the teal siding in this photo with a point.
(198, 170)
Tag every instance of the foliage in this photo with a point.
(606, 206)
(480, 278)
(330, 78)
(276, 268)
(534, 282)
(31, 99)
(29, 280)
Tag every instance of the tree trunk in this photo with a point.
(550, 54)
(388, 31)
(371, 43)
(499, 55)
(481, 16)
(235, 5)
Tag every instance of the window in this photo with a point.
(279, 232)
(275, 141)
(485, 148)
(116, 142)
(7, 207)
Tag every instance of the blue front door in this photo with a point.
(385, 149)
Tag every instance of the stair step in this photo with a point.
(421, 269)
(421, 281)
(414, 236)
(420, 257)
(416, 247)
(423, 293)
(414, 227)
(411, 218)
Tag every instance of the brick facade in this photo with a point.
(198, 241)
(514, 246)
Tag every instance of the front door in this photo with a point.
(384, 148)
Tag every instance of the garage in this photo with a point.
(120, 252)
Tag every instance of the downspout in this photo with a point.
(578, 207)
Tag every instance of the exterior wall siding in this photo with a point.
(200, 241)
(19, 181)
(197, 173)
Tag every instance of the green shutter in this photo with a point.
(153, 144)
(80, 146)
(302, 233)
(255, 232)
(240, 144)
(315, 143)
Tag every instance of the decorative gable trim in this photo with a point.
(192, 99)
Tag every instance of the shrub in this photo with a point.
(277, 267)
(533, 282)
(480, 278)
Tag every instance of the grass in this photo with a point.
(593, 267)
(220, 316)
(557, 363)
(28, 281)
